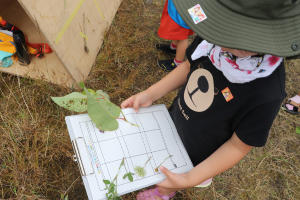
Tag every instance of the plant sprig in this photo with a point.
(156, 169)
(112, 187)
(128, 174)
(140, 171)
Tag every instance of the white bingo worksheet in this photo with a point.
(99, 154)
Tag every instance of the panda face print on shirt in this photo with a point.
(199, 92)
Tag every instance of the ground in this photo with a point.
(36, 152)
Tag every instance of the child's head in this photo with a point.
(267, 27)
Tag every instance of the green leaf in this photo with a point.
(103, 113)
(283, 108)
(100, 92)
(75, 101)
(66, 198)
(110, 196)
(81, 84)
(298, 130)
(130, 177)
(91, 91)
(106, 181)
(112, 185)
(62, 196)
(125, 176)
(111, 190)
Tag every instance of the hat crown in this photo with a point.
(264, 9)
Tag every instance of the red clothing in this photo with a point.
(169, 29)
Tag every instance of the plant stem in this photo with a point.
(122, 163)
(125, 168)
(156, 169)
(127, 120)
(117, 185)
(147, 162)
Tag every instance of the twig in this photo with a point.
(70, 186)
(127, 120)
(47, 144)
(156, 169)
(147, 162)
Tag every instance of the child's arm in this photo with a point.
(229, 154)
(172, 81)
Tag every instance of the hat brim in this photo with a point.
(230, 29)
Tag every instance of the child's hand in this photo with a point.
(173, 181)
(143, 99)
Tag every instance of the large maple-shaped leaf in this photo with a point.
(75, 101)
(102, 112)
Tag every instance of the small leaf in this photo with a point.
(81, 84)
(92, 92)
(298, 130)
(75, 102)
(111, 190)
(283, 108)
(110, 196)
(130, 177)
(125, 176)
(66, 198)
(106, 181)
(62, 196)
(112, 185)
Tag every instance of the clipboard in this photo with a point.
(99, 154)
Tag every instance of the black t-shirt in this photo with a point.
(205, 120)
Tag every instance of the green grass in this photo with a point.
(35, 148)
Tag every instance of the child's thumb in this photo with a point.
(165, 171)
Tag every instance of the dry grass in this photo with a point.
(35, 148)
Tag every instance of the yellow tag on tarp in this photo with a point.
(83, 35)
(62, 31)
(99, 9)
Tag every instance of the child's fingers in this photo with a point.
(128, 103)
(166, 183)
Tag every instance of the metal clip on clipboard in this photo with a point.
(82, 157)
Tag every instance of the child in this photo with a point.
(172, 27)
(218, 132)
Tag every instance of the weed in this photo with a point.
(156, 169)
(111, 186)
(140, 171)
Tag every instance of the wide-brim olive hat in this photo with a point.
(261, 26)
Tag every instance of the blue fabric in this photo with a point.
(175, 15)
(4, 54)
(5, 59)
(6, 62)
